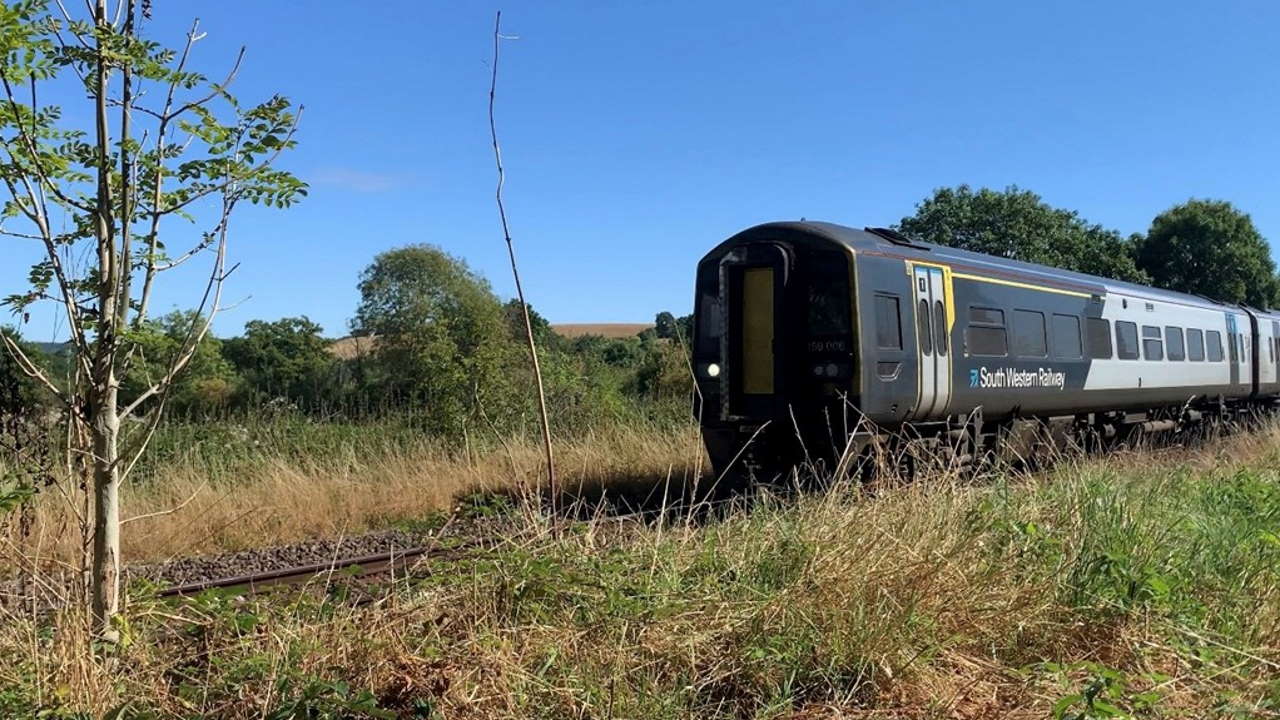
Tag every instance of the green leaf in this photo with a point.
(1060, 707)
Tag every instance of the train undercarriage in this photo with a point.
(769, 453)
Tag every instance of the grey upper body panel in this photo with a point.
(863, 241)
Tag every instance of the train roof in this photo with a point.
(884, 241)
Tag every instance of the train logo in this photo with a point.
(1009, 377)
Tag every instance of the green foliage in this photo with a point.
(326, 700)
(19, 393)
(208, 383)
(543, 335)
(1210, 248)
(669, 327)
(1017, 224)
(285, 359)
(442, 338)
(663, 373)
(620, 353)
(1106, 694)
(25, 450)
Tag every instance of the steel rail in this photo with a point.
(368, 565)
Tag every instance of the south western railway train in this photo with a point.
(812, 338)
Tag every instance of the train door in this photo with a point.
(755, 279)
(932, 341)
(1233, 349)
(1275, 343)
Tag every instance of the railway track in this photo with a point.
(358, 566)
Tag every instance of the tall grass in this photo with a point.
(231, 485)
(1144, 585)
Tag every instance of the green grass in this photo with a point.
(1145, 586)
(222, 447)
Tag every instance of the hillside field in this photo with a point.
(608, 330)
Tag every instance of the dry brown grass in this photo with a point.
(280, 500)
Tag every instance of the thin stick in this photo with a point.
(170, 511)
(515, 274)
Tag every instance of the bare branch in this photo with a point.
(24, 236)
(30, 369)
(153, 234)
(515, 273)
(113, 102)
(203, 321)
(217, 89)
(170, 511)
(124, 283)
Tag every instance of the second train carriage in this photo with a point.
(805, 332)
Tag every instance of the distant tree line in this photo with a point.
(431, 339)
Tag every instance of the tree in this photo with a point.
(543, 334)
(664, 325)
(442, 333)
(663, 373)
(287, 358)
(206, 383)
(1017, 224)
(670, 327)
(160, 142)
(20, 394)
(25, 454)
(1210, 248)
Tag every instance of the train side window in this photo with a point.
(922, 324)
(1099, 331)
(1066, 337)
(888, 323)
(1028, 334)
(940, 323)
(986, 316)
(1152, 344)
(1195, 345)
(1213, 342)
(986, 334)
(1233, 352)
(1126, 340)
(1173, 339)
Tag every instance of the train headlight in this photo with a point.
(713, 370)
(819, 371)
(832, 370)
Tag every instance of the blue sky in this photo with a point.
(637, 135)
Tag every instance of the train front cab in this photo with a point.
(774, 349)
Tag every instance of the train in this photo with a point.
(811, 340)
